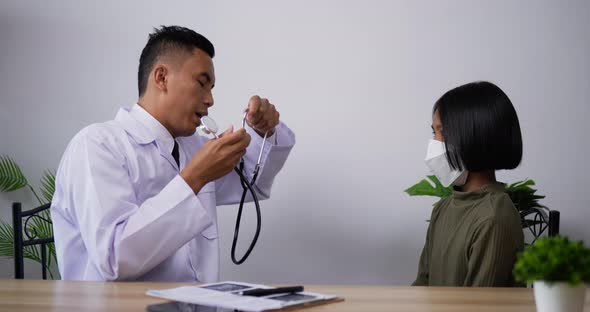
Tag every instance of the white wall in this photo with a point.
(338, 212)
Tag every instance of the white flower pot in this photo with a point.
(559, 297)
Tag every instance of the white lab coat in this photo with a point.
(121, 211)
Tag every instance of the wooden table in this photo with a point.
(36, 295)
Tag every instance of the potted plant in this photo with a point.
(559, 269)
(12, 179)
(523, 196)
(521, 193)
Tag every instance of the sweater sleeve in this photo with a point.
(491, 255)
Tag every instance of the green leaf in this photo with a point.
(48, 185)
(40, 227)
(11, 176)
(11, 179)
(523, 196)
(425, 188)
(43, 229)
(521, 184)
(6, 240)
(7, 244)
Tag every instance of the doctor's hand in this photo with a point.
(216, 158)
(262, 115)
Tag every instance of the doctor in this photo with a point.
(136, 196)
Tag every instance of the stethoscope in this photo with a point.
(208, 126)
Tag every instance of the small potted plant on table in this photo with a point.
(559, 269)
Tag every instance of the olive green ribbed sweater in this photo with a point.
(472, 240)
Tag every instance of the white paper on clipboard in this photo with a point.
(224, 295)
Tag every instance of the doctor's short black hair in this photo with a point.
(480, 128)
(166, 40)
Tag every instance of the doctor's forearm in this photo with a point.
(193, 179)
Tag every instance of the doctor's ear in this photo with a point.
(160, 75)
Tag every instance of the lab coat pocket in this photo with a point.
(210, 233)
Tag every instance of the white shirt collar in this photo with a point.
(152, 129)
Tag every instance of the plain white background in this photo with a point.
(355, 80)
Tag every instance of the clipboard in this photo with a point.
(225, 297)
(177, 306)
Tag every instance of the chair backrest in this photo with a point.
(40, 217)
(540, 221)
(553, 223)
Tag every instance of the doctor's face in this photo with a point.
(189, 93)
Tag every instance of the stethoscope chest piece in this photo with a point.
(208, 126)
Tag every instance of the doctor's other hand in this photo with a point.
(262, 115)
(216, 158)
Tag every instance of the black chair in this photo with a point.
(539, 221)
(37, 215)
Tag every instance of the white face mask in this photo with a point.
(436, 160)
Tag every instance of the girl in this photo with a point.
(475, 234)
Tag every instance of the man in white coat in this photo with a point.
(136, 196)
